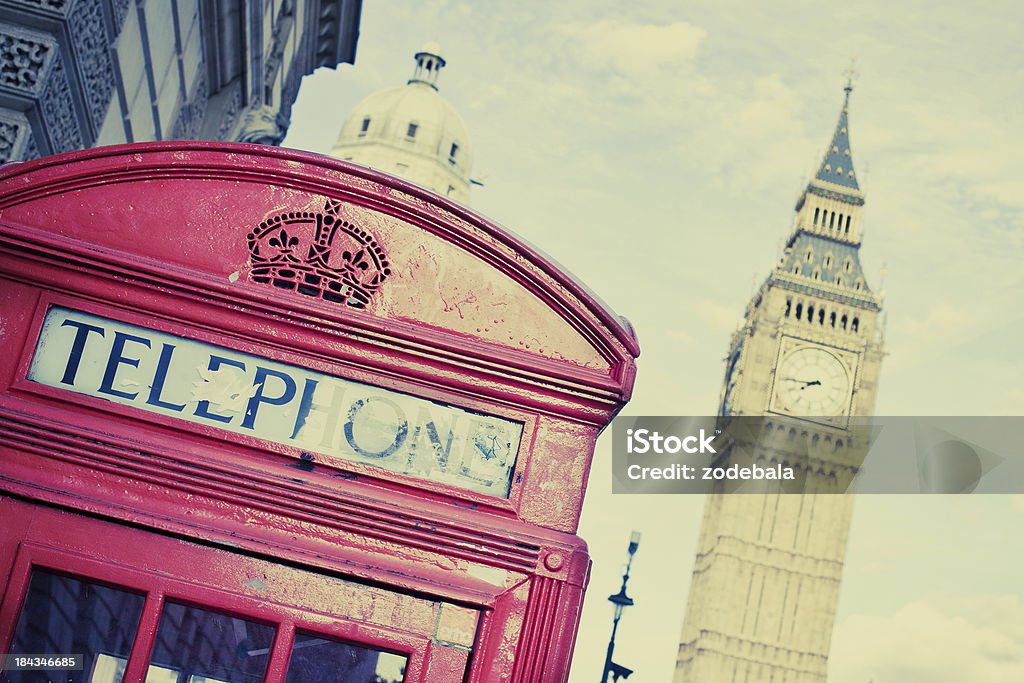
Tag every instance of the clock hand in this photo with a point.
(810, 384)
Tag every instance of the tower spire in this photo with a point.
(850, 73)
(837, 165)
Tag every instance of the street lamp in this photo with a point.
(621, 601)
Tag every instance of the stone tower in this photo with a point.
(766, 579)
(412, 132)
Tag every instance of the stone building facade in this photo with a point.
(83, 73)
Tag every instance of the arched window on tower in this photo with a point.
(840, 220)
(847, 225)
(843, 321)
(810, 314)
(789, 307)
(821, 316)
(365, 126)
(817, 210)
(832, 319)
(832, 221)
(799, 310)
(855, 325)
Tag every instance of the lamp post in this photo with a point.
(621, 601)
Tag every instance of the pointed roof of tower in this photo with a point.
(837, 165)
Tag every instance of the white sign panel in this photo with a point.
(285, 404)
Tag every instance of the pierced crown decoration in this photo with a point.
(318, 254)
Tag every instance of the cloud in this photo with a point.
(679, 336)
(717, 317)
(941, 319)
(940, 640)
(634, 50)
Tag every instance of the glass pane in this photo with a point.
(69, 616)
(198, 646)
(329, 661)
(110, 669)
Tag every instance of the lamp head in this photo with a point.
(634, 542)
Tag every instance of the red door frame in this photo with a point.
(189, 574)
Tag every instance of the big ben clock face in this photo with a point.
(812, 381)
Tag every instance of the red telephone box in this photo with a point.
(267, 416)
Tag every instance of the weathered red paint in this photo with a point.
(155, 235)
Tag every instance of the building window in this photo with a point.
(411, 131)
(453, 152)
(366, 126)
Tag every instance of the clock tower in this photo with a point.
(766, 579)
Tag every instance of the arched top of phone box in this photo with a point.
(327, 244)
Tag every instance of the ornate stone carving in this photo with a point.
(120, 8)
(9, 134)
(192, 113)
(262, 125)
(56, 6)
(92, 53)
(16, 142)
(24, 57)
(230, 114)
(59, 111)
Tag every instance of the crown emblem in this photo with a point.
(318, 254)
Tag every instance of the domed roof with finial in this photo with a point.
(412, 131)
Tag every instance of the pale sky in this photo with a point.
(655, 150)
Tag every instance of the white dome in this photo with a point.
(391, 111)
(411, 131)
